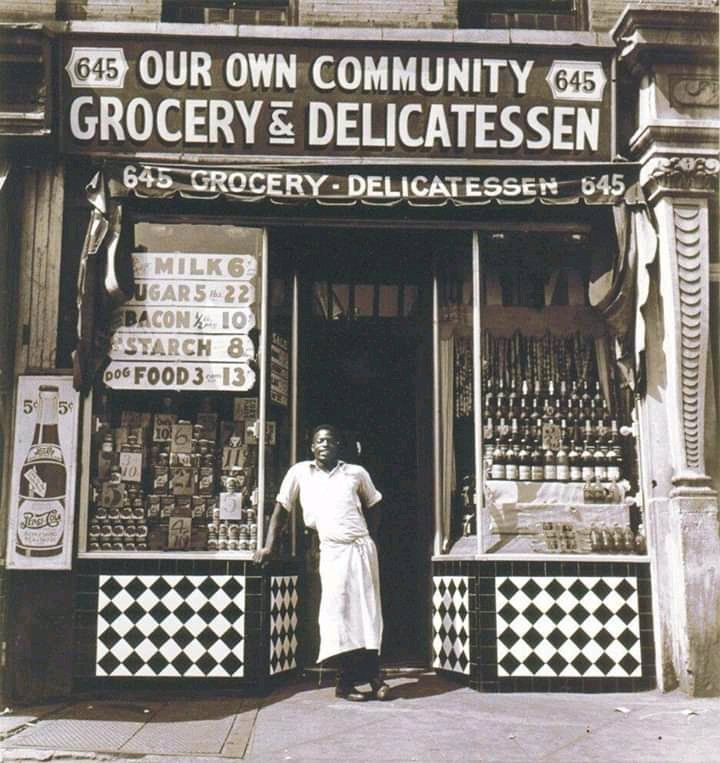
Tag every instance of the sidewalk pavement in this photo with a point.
(429, 719)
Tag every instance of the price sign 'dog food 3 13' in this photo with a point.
(186, 325)
(42, 497)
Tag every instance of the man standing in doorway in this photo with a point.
(340, 501)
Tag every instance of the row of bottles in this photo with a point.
(617, 539)
(541, 362)
(567, 537)
(530, 462)
(576, 403)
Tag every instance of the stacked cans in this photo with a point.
(119, 519)
(159, 480)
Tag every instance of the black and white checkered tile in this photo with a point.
(568, 626)
(171, 625)
(451, 623)
(283, 623)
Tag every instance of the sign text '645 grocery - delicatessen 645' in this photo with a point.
(186, 324)
(254, 98)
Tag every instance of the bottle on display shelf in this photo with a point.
(587, 461)
(571, 421)
(513, 400)
(537, 464)
(524, 411)
(596, 543)
(588, 432)
(501, 400)
(601, 412)
(598, 398)
(511, 462)
(586, 401)
(489, 407)
(613, 464)
(537, 389)
(550, 466)
(562, 465)
(564, 399)
(524, 466)
(488, 433)
(614, 435)
(514, 432)
(497, 471)
(640, 544)
(575, 463)
(552, 412)
(536, 410)
(628, 539)
(601, 431)
(606, 538)
(488, 460)
(600, 466)
(618, 538)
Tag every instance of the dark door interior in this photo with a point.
(369, 374)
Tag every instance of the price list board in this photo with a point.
(186, 326)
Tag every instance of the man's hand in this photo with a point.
(262, 554)
(277, 522)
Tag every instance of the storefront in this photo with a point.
(430, 244)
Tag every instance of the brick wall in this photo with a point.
(109, 10)
(378, 13)
(604, 13)
(27, 10)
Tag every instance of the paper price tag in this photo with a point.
(181, 438)
(231, 506)
(131, 467)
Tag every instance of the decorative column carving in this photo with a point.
(680, 187)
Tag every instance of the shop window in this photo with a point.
(522, 14)
(557, 470)
(271, 12)
(175, 458)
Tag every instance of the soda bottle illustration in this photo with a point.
(43, 478)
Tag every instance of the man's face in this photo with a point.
(325, 447)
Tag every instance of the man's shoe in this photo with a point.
(351, 693)
(380, 690)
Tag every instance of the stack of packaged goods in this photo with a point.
(163, 483)
(118, 521)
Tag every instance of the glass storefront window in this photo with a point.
(175, 459)
(537, 454)
(455, 472)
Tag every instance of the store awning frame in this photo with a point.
(379, 186)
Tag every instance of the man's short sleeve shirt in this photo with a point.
(332, 501)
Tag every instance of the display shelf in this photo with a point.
(235, 556)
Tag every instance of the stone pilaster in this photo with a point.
(671, 55)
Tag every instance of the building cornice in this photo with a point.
(518, 37)
(663, 32)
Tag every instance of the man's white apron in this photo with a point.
(350, 610)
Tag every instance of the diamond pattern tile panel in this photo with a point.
(171, 625)
(283, 623)
(451, 623)
(568, 626)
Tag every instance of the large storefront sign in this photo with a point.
(436, 185)
(42, 493)
(186, 324)
(235, 97)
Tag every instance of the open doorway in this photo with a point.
(366, 366)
